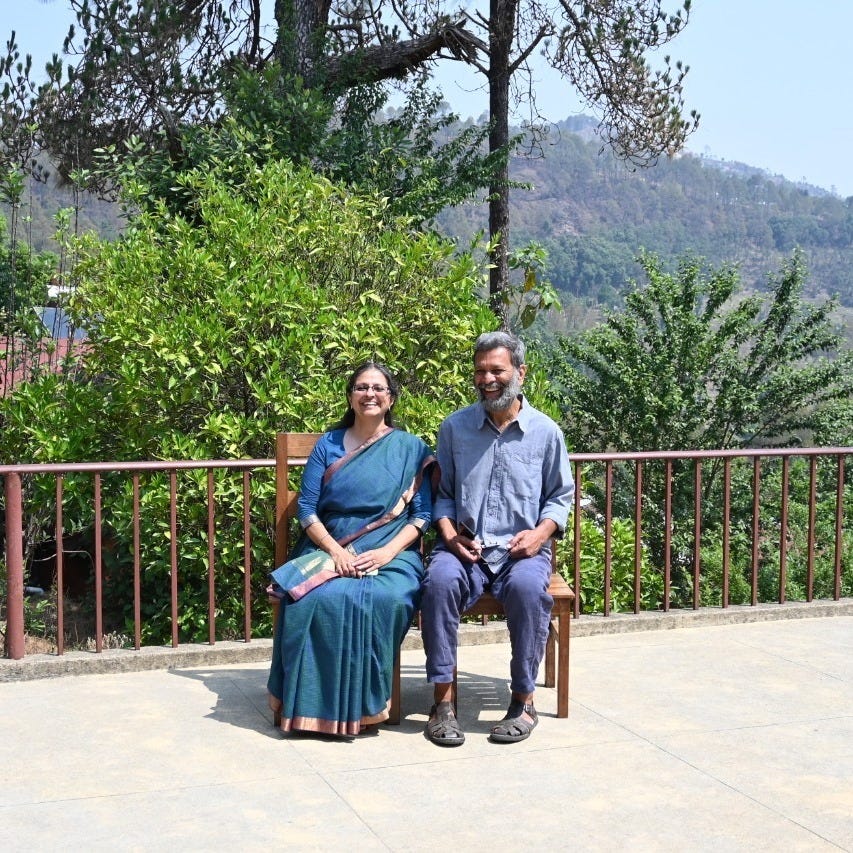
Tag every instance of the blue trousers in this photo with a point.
(450, 586)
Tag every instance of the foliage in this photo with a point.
(601, 48)
(739, 568)
(771, 536)
(686, 365)
(142, 66)
(244, 321)
(24, 279)
(592, 214)
(208, 336)
(141, 74)
(192, 552)
(418, 157)
(421, 158)
(833, 424)
(24, 274)
(523, 302)
(796, 535)
(622, 542)
(136, 66)
(712, 553)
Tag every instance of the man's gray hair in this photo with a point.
(493, 340)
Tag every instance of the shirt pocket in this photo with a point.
(524, 473)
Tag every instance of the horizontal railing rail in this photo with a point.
(651, 530)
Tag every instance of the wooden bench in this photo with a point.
(293, 448)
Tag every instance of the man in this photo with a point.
(506, 488)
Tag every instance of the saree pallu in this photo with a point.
(334, 648)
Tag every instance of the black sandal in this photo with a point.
(443, 728)
(519, 722)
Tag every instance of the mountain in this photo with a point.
(594, 214)
(36, 222)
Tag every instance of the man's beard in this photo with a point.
(510, 392)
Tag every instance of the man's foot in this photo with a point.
(443, 727)
(521, 718)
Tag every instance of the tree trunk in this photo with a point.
(301, 29)
(502, 15)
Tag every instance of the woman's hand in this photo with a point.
(374, 559)
(351, 565)
(344, 562)
(344, 559)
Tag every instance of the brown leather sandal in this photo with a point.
(443, 728)
(519, 722)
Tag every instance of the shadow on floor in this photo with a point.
(241, 697)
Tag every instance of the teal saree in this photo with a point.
(334, 647)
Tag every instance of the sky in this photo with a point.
(771, 79)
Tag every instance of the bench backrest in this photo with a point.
(291, 448)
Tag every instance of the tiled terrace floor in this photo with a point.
(724, 738)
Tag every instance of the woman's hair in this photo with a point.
(394, 390)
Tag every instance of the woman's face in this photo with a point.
(370, 395)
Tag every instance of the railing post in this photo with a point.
(15, 647)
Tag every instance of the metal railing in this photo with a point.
(14, 541)
(746, 501)
(703, 487)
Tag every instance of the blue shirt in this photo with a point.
(495, 484)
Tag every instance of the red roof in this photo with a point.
(20, 361)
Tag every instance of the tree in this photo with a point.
(419, 159)
(147, 64)
(209, 334)
(600, 47)
(690, 363)
(150, 76)
(240, 321)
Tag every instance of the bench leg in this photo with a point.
(550, 668)
(394, 710)
(563, 627)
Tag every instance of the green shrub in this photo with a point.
(591, 592)
(207, 336)
(711, 568)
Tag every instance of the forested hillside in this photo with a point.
(594, 214)
(35, 221)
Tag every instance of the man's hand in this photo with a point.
(527, 543)
(465, 548)
(462, 545)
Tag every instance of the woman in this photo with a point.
(365, 500)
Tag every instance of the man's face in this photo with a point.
(498, 383)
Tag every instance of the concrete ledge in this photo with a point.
(621, 623)
(201, 655)
(130, 660)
